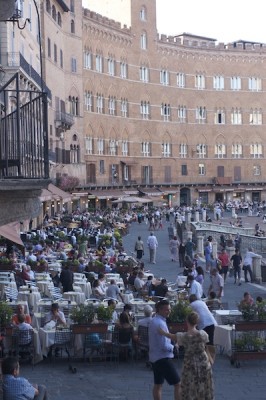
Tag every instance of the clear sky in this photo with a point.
(226, 20)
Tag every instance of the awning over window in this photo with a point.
(12, 232)
(45, 195)
(59, 193)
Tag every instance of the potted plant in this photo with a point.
(104, 314)
(178, 315)
(6, 313)
(249, 311)
(83, 314)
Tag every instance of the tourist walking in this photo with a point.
(173, 246)
(237, 260)
(139, 248)
(161, 352)
(152, 246)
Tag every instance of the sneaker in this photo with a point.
(239, 284)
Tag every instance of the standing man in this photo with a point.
(152, 245)
(15, 387)
(237, 260)
(207, 321)
(139, 248)
(161, 352)
(247, 264)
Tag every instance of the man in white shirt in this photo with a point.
(194, 287)
(247, 264)
(148, 316)
(152, 245)
(207, 321)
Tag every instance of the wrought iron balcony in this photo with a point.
(63, 120)
(23, 132)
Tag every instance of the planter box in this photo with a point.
(175, 327)
(79, 329)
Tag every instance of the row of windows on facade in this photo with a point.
(56, 15)
(147, 171)
(255, 115)
(254, 83)
(201, 150)
(73, 60)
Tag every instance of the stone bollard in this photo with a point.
(200, 246)
(204, 215)
(233, 212)
(196, 216)
(256, 269)
(214, 249)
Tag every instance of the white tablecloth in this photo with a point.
(84, 286)
(219, 313)
(26, 288)
(9, 283)
(222, 338)
(138, 306)
(181, 280)
(31, 297)
(78, 297)
(47, 338)
(44, 287)
(127, 297)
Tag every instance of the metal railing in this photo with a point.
(23, 133)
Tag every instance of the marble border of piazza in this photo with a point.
(188, 40)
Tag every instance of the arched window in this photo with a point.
(73, 105)
(48, 6)
(59, 19)
(54, 13)
(74, 138)
(72, 26)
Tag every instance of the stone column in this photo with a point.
(200, 245)
(204, 215)
(256, 268)
(196, 216)
(233, 212)
(214, 249)
(188, 218)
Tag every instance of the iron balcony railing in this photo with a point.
(23, 133)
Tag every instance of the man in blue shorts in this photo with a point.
(161, 352)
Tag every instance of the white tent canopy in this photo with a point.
(132, 199)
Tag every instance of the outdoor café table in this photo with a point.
(222, 338)
(44, 287)
(127, 297)
(85, 287)
(63, 303)
(219, 314)
(26, 288)
(9, 283)
(139, 304)
(42, 276)
(31, 297)
(47, 337)
(55, 266)
(78, 297)
(79, 276)
(181, 281)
